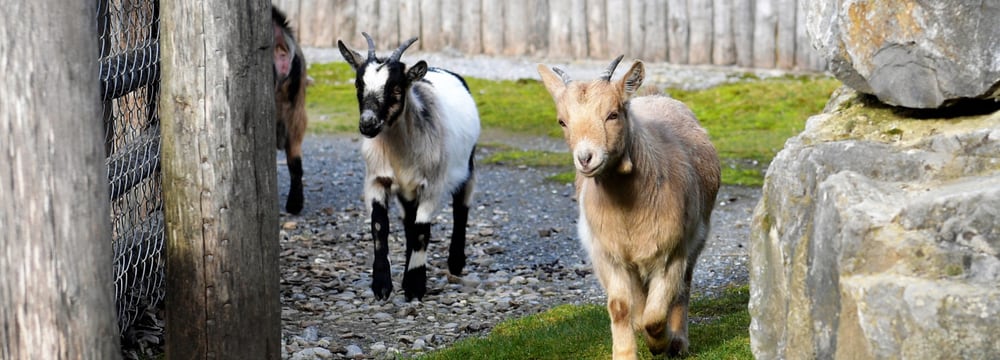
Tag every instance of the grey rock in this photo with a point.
(312, 353)
(917, 54)
(354, 351)
(868, 247)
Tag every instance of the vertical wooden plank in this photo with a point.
(471, 23)
(538, 35)
(344, 24)
(315, 29)
(655, 24)
(785, 43)
(291, 10)
(517, 25)
(451, 11)
(804, 52)
(55, 233)
(743, 32)
(617, 29)
(764, 32)
(677, 31)
(559, 29)
(637, 34)
(367, 20)
(578, 28)
(431, 38)
(388, 24)
(723, 44)
(700, 13)
(597, 29)
(409, 22)
(493, 23)
(221, 220)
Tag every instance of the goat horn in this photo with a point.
(606, 76)
(399, 52)
(371, 46)
(562, 74)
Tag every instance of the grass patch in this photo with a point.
(752, 120)
(520, 106)
(718, 330)
(748, 121)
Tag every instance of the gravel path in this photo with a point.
(524, 256)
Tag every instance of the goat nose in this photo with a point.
(585, 158)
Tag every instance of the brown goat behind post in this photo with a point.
(290, 81)
(647, 178)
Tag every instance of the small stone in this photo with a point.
(485, 232)
(312, 353)
(544, 232)
(289, 225)
(354, 351)
(310, 334)
(418, 344)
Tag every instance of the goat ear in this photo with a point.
(553, 82)
(417, 71)
(353, 57)
(633, 78)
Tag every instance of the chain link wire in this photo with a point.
(129, 72)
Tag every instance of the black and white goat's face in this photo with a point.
(382, 85)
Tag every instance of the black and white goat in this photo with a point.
(420, 126)
(290, 81)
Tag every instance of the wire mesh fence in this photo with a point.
(129, 72)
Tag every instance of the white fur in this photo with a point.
(375, 80)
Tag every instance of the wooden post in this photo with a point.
(700, 17)
(764, 34)
(723, 47)
(677, 31)
(219, 180)
(492, 27)
(55, 226)
(743, 32)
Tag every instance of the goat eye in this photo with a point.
(612, 116)
(562, 123)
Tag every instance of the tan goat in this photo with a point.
(646, 182)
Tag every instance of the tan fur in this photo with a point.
(646, 184)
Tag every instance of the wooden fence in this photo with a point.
(747, 33)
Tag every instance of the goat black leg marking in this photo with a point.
(294, 203)
(460, 203)
(417, 237)
(456, 250)
(381, 277)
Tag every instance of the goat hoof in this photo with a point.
(678, 347)
(382, 286)
(415, 284)
(294, 204)
(455, 266)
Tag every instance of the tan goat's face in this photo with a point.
(593, 116)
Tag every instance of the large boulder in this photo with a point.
(912, 53)
(879, 237)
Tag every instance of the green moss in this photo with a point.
(953, 270)
(752, 120)
(863, 118)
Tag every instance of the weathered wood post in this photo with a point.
(55, 229)
(219, 180)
